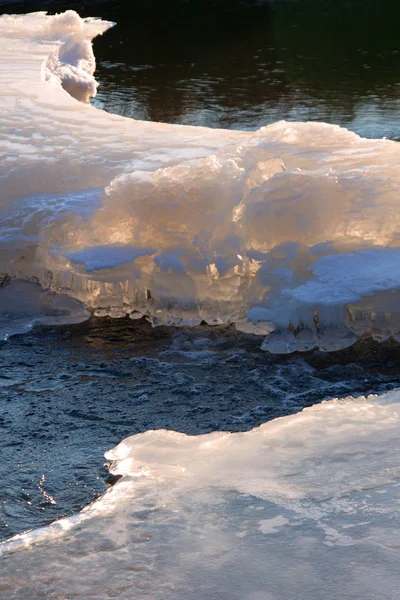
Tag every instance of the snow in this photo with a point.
(349, 277)
(107, 257)
(291, 231)
(303, 507)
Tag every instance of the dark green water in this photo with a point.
(245, 63)
(321, 60)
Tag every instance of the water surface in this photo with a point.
(242, 64)
(69, 394)
(245, 65)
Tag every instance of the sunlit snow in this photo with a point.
(290, 231)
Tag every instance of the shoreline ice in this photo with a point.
(294, 502)
(290, 232)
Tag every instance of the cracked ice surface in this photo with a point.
(291, 231)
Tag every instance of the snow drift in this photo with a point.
(291, 232)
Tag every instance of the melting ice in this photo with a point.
(291, 232)
(303, 507)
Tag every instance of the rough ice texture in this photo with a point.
(291, 231)
(303, 507)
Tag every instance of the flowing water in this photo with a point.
(307, 504)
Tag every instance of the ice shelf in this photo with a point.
(290, 232)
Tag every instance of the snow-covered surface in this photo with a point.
(290, 231)
(305, 507)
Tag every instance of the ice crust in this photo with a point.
(291, 231)
(303, 507)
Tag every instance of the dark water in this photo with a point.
(321, 60)
(245, 63)
(69, 394)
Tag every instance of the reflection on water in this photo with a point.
(245, 63)
(322, 60)
(230, 65)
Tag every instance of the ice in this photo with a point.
(310, 455)
(273, 525)
(291, 231)
(349, 277)
(25, 304)
(303, 507)
(107, 257)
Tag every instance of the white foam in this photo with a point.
(282, 230)
(302, 507)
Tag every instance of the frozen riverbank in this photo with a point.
(290, 231)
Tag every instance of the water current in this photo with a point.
(70, 393)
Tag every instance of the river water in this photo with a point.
(238, 66)
(243, 64)
(69, 394)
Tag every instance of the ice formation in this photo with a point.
(291, 232)
(303, 507)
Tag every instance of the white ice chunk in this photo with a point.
(273, 525)
(276, 512)
(348, 277)
(291, 231)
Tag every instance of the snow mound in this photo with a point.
(291, 231)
